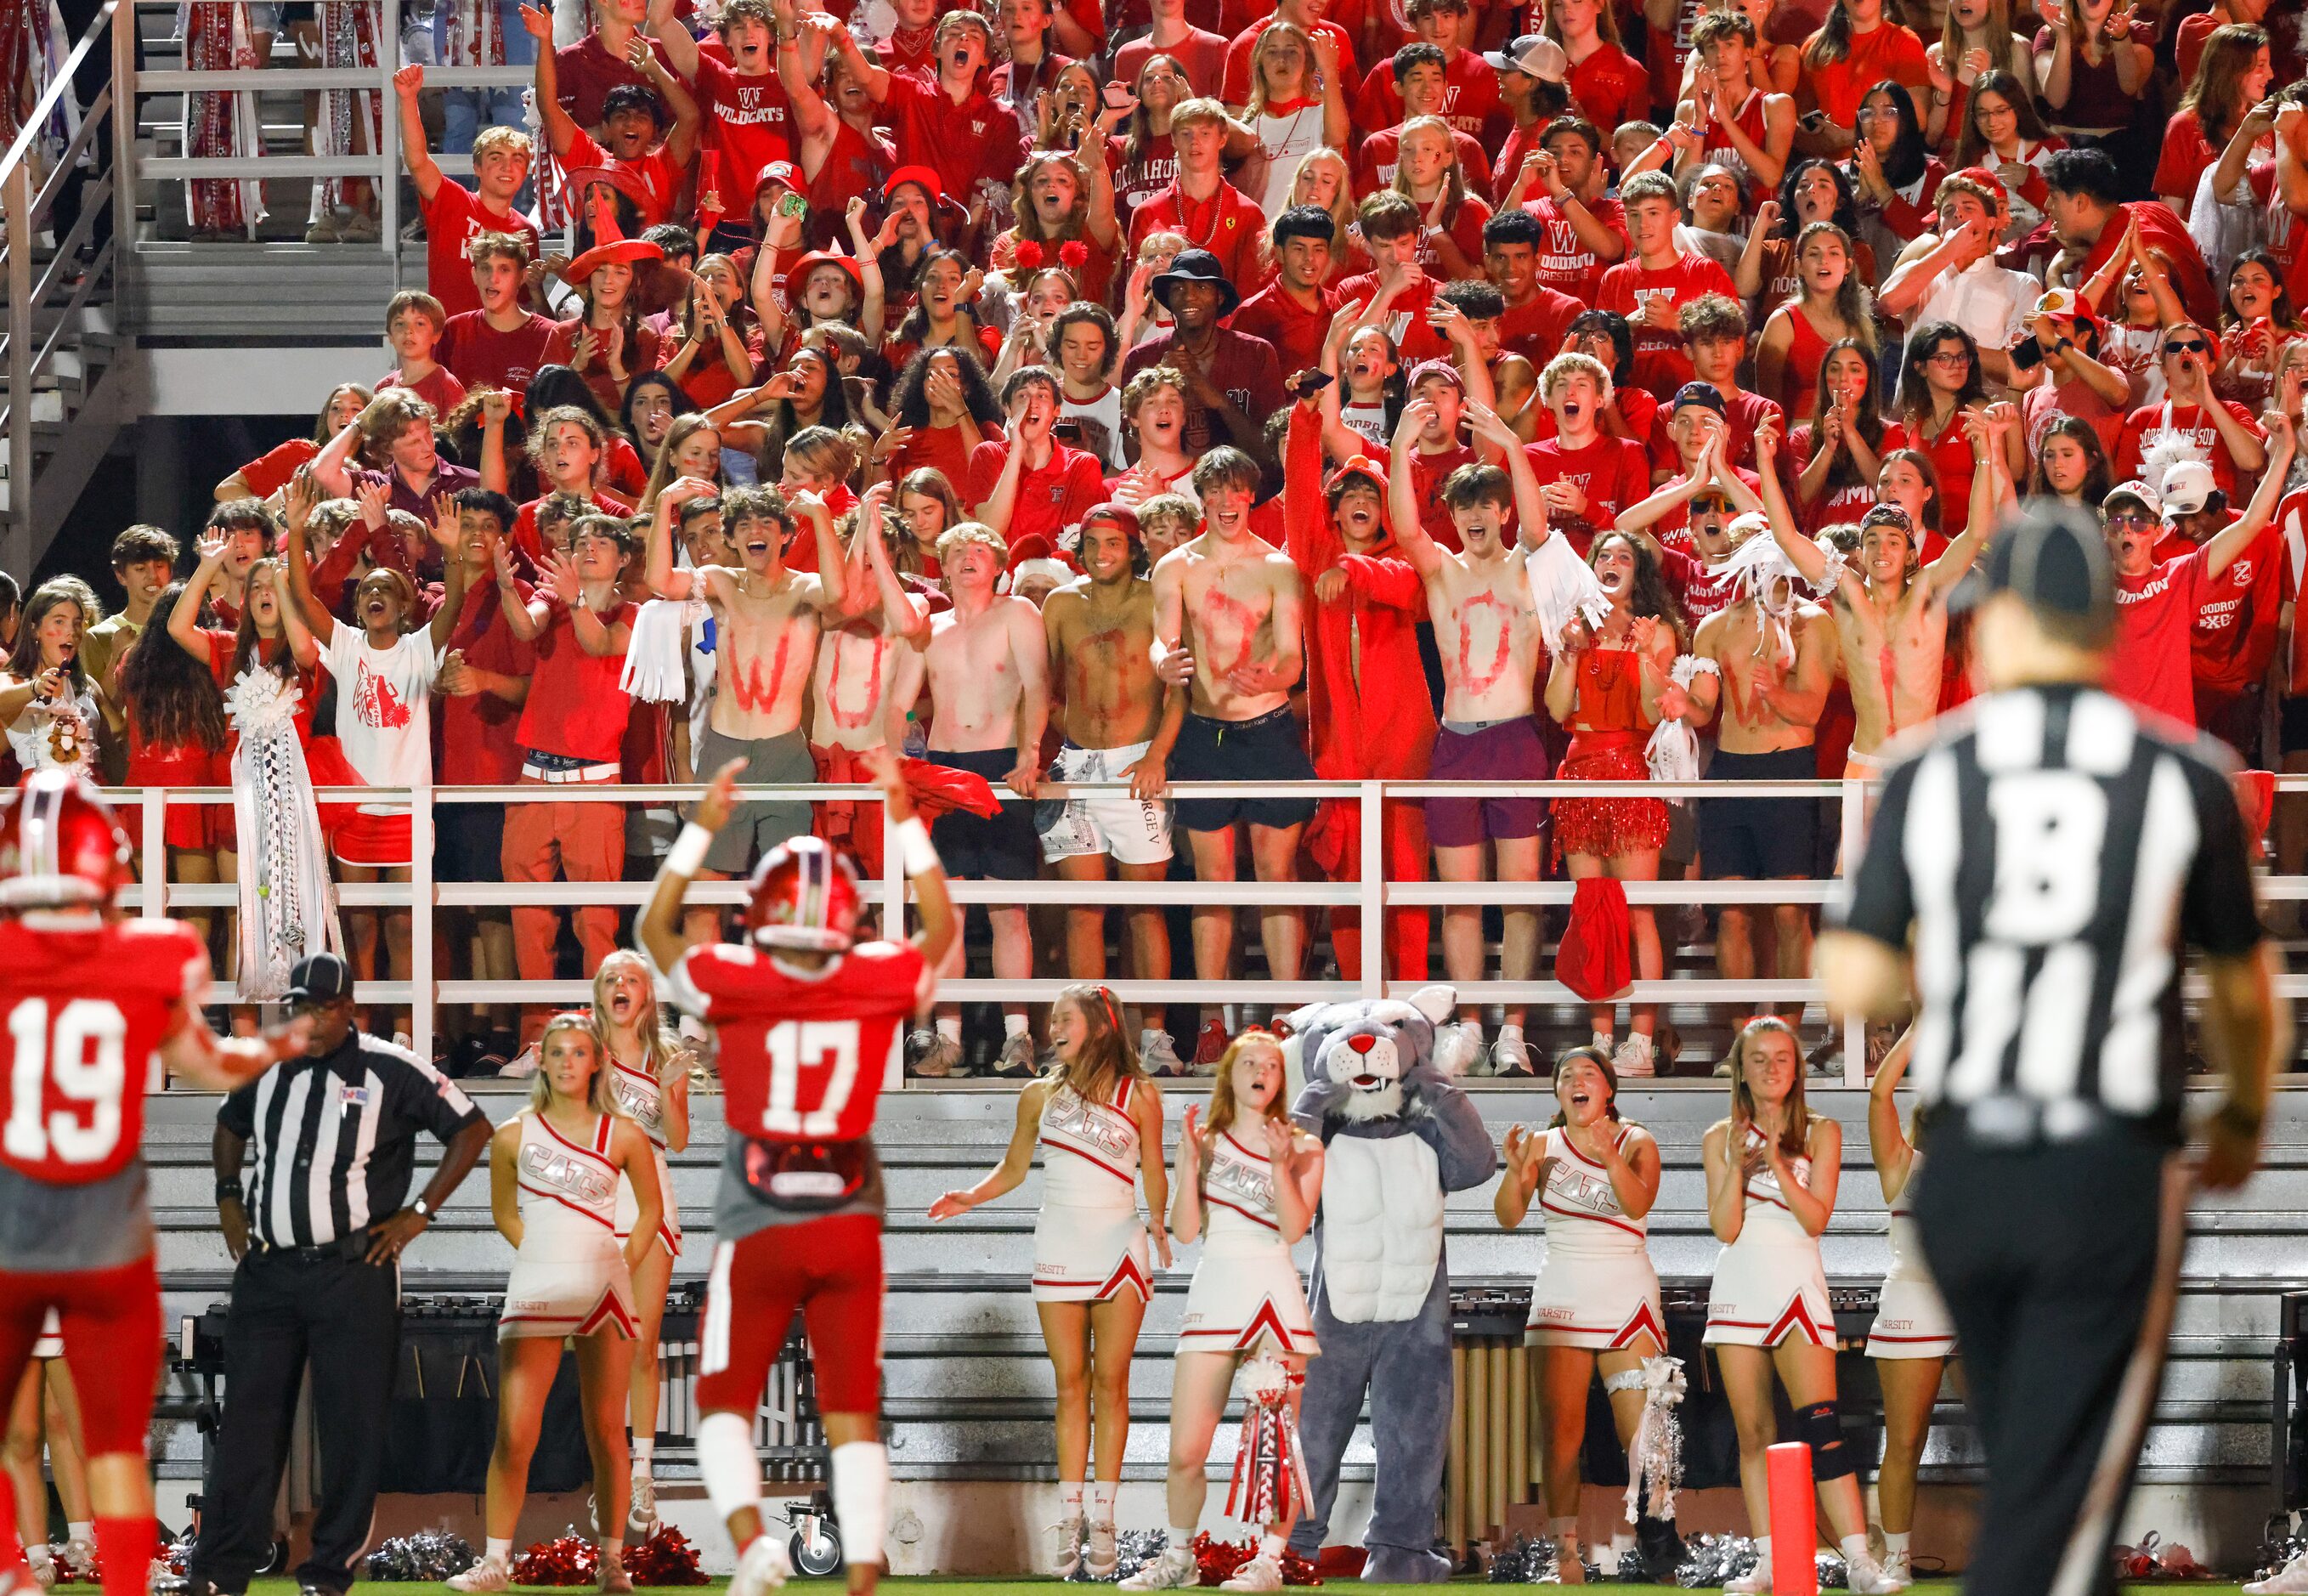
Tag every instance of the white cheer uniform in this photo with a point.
(642, 1096)
(1769, 1284)
(1245, 1290)
(1911, 1321)
(1597, 1288)
(569, 1277)
(51, 1343)
(1089, 1245)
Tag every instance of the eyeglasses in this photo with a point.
(1708, 506)
(2186, 346)
(1947, 358)
(2130, 518)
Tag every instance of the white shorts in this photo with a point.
(1911, 1321)
(669, 1223)
(1246, 1292)
(1090, 1254)
(1601, 1301)
(1134, 831)
(568, 1288)
(51, 1343)
(1764, 1292)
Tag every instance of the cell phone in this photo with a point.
(1814, 120)
(793, 204)
(1068, 428)
(2028, 351)
(1115, 96)
(1311, 382)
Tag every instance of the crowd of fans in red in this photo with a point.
(1170, 392)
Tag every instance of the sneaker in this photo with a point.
(326, 230)
(1475, 1057)
(1827, 1059)
(931, 1055)
(524, 1065)
(359, 228)
(1511, 1056)
(1104, 1554)
(641, 1518)
(1750, 1583)
(1899, 1568)
(44, 1565)
(1211, 1044)
(1065, 1548)
(615, 1580)
(1017, 1060)
(1635, 1058)
(2291, 1580)
(1159, 1054)
(1261, 1572)
(490, 1573)
(1171, 1569)
(1867, 1578)
(762, 1566)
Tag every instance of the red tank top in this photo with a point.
(1806, 351)
(1610, 690)
(1719, 149)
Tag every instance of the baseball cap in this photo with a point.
(2066, 304)
(2138, 493)
(320, 978)
(1705, 394)
(1433, 368)
(2187, 486)
(1534, 56)
(779, 171)
(1119, 514)
(2054, 557)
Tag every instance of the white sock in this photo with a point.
(1763, 1555)
(645, 1454)
(502, 1551)
(1510, 1033)
(731, 1468)
(1101, 1500)
(1181, 1541)
(861, 1498)
(81, 1529)
(1602, 1039)
(1069, 1498)
(1013, 1025)
(1565, 1529)
(950, 1029)
(1622, 1541)
(1896, 1546)
(1231, 1017)
(1472, 1029)
(1271, 1545)
(1852, 1545)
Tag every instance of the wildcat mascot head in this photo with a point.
(1365, 1059)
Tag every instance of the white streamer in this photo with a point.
(287, 902)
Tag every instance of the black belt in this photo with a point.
(354, 1246)
(2007, 1120)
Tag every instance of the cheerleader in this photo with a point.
(1913, 1337)
(649, 1077)
(554, 1173)
(1253, 1181)
(1095, 1112)
(1596, 1302)
(47, 1407)
(1771, 1171)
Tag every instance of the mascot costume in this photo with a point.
(1398, 1137)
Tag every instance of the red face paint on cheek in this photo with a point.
(1501, 656)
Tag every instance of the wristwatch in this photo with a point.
(422, 1210)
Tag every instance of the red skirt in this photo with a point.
(200, 828)
(1606, 827)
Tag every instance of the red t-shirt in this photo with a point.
(1661, 365)
(1470, 96)
(454, 219)
(2151, 664)
(1611, 86)
(2235, 635)
(1294, 331)
(585, 71)
(476, 740)
(1236, 89)
(1566, 264)
(1536, 331)
(439, 388)
(1244, 368)
(2187, 423)
(856, 167)
(943, 447)
(1889, 51)
(484, 357)
(1066, 488)
(2292, 522)
(1381, 153)
(963, 143)
(1427, 473)
(1415, 337)
(1614, 472)
(575, 707)
(1697, 586)
(1847, 504)
(270, 471)
(525, 535)
(1744, 413)
(1227, 224)
(749, 121)
(1202, 53)
(658, 174)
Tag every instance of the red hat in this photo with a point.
(1033, 546)
(2066, 304)
(1356, 465)
(1114, 510)
(799, 273)
(1987, 180)
(925, 176)
(610, 245)
(777, 171)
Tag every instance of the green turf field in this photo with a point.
(985, 1587)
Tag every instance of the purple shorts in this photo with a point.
(1509, 751)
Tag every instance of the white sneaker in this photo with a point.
(1899, 1568)
(1261, 1572)
(1174, 1569)
(44, 1565)
(490, 1573)
(1634, 1058)
(1472, 1049)
(1511, 1056)
(762, 1566)
(1159, 1053)
(1750, 1583)
(641, 1517)
(1867, 1577)
(2291, 1580)
(1065, 1548)
(1104, 1554)
(524, 1065)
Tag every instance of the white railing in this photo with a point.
(1372, 896)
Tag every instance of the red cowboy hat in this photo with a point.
(799, 273)
(610, 245)
(925, 175)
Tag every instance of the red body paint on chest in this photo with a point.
(851, 719)
(1482, 681)
(745, 681)
(1216, 605)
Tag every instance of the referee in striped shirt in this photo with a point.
(2033, 871)
(318, 1231)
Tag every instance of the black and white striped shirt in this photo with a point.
(333, 1138)
(2052, 852)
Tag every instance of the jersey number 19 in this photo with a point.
(84, 1052)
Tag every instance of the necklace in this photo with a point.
(1199, 236)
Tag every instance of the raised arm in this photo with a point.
(1529, 500)
(560, 130)
(304, 498)
(184, 619)
(1802, 553)
(1424, 556)
(681, 140)
(1887, 1139)
(423, 170)
(2233, 540)
(659, 574)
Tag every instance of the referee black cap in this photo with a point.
(2054, 557)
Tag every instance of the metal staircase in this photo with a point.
(63, 390)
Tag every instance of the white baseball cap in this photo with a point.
(2188, 486)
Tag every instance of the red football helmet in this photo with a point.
(803, 895)
(61, 846)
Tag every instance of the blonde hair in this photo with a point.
(599, 1097)
(1795, 1136)
(971, 532)
(1566, 366)
(661, 1048)
(1280, 29)
(510, 138)
(1454, 179)
(1224, 1109)
(1342, 202)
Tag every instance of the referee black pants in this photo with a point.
(343, 1317)
(2059, 1263)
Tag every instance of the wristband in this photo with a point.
(914, 845)
(2236, 1117)
(686, 856)
(228, 1188)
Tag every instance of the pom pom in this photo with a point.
(426, 1557)
(1133, 1549)
(1298, 1568)
(1714, 1559)
(1073, 254)
(572, 1559)
(1028, 253)
(1830, 1573)
(665, 1559)
(2278, 1545)
(1218, 1560)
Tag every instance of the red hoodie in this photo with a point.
(1383, 724)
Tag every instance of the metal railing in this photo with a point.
(1371, 896)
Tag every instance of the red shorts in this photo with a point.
(111, 1320)
(830, 1269)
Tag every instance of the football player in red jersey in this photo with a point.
(809, 1023)
(88, 999)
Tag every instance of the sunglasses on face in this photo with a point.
(1708, 506)
(2186, 346)
(2130, 518)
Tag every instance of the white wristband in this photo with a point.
(686, 856)
(914, 845)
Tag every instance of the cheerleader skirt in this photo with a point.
(1600, 1301)
(1607, 827)
(565, 1288)
(1911, 1320)
(669, 1222)
(1764, 1292)
(1247, 1293)
(1090, 1254)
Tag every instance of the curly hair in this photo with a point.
(1648, 594)
(170, 698)
(910, 403)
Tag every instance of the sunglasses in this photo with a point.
(2186, 346)
(1709, 506)
(2130, 518)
